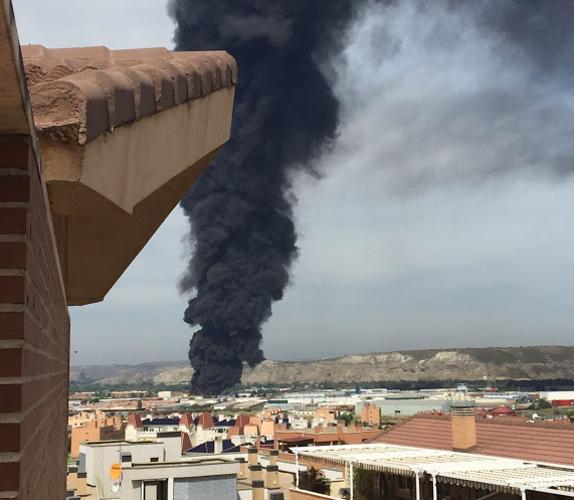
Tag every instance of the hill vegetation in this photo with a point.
(431, 367)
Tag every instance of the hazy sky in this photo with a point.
(413, 238)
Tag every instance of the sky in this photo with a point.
(431, 227)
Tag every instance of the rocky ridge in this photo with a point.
(490, 363)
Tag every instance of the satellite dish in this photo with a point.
(116, 487)
(115, 472)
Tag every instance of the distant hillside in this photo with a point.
(169, 373)
(500, 363)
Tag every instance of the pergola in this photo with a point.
(490, 473)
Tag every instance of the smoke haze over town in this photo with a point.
(442, 215)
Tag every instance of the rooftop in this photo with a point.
(122, 442)
(160, 422)
(183, 463)
(504, 437)
(348, 435)
(209, 447)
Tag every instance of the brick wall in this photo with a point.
(34, 334)
(93, 431)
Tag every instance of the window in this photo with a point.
(219, 487)
(154, 459)
(154, 490)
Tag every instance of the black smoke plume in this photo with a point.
(240, 210)
(512, 116)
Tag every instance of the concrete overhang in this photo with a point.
(123, 134)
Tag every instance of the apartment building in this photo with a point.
(120, 470)
(95, 430)
(371, 415)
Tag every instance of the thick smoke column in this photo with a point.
(240, 210)
(429, 92)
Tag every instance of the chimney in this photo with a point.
(252, 456)
(463, 422)
(258, 490)
(256, 472)
(272, 472)
(273, 457)
(218, 445)
(82, 487)
(242, 468)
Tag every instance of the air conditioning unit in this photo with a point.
(126, 459)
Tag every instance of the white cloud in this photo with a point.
(75, 23)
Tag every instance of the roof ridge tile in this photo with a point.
(124, 80)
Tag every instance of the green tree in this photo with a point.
(347, 418)
(540, 404)
(313, 480)
(366, 484)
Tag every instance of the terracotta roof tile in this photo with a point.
(505, 437)
(241, 421)
(186, 419)
(78, 94)
(206, 420)
(135, 420)
(185, 442)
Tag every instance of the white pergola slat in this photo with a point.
(481, 471)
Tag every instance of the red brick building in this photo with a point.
(34, 322)
(371, 414)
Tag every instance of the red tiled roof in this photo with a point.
(503, 410)
(135, 420)
(185, 442)
(186, 419)
(299, 438)
(78, 94)
(504, 437)
(240, 422)
(206, 420)
(327, 436)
